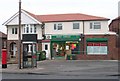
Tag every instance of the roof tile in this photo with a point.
(65, 17)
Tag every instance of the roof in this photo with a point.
(65, 17)
(3, 35)
(118, 18)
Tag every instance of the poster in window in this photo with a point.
(89, 49)
(67, 47)
(103, 49)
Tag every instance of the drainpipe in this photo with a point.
(83, 37)
(118, 38)
(42, 27)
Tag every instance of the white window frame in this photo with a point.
(32, 29)
(78, 25)
(57, 25)
(14, 30)
(93, 24)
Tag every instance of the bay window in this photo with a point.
(29, 29)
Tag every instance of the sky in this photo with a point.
(103, 8)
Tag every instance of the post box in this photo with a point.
(4, 58)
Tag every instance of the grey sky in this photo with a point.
(104, 8)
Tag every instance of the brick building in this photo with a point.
(115, 27)
(86, 36)
(3, 41)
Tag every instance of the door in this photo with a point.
(46, 48)
(29, 58)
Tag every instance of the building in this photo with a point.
(115, 27)
(3, 41)
(3, 38)
(119, 8)
(86, 36)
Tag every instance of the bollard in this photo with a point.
(4, 58)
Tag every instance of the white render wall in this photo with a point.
(11, 36)
(15, 36)
(104, 28)
(68, 28)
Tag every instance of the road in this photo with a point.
(76, 69)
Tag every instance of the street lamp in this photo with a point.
(19, 37)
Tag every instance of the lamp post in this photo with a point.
(19, 37)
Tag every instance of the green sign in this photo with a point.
(96, 39)
(65, 37)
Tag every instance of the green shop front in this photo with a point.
(63, 45)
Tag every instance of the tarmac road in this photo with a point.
(73, 69)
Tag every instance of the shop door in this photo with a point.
(46, 48)
(58, 50)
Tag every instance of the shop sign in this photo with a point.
(66, 37)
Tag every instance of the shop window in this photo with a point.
(97, 48)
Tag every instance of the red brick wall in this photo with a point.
(113, 51)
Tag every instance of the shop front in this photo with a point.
(63, 45)
(97, 46)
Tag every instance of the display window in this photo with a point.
(97, 48)
(66, 47)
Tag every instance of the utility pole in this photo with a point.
(19, 37)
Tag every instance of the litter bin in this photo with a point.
(71, 57)
(38, 56)
(43, 55)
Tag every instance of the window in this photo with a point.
(96, 48)
(29, 28)
(46, 47)
(95, 25)
(57, 26)
(35, 28)
(14, 30)
(75, 25)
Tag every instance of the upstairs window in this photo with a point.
(14, 30)
(29, 29)
(58, 26)
(95, 25)
(75, 25)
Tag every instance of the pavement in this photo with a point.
(13, 68)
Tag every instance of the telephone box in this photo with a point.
(29, 55)
(4, 58)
